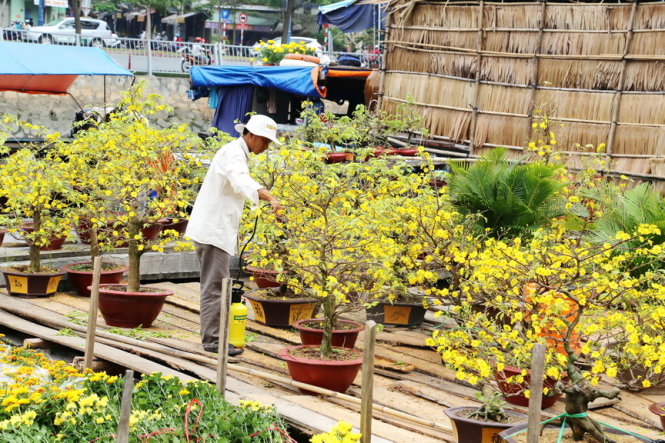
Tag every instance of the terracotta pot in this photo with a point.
(334, 375)
(514, 392)
(659, 410)
(55, 242)
(343, 338)
(81, 280)
(130, 309)
(281, 312)
(29, 285)
(470, 430)
(506, 435)
(398, 314)
(336, 157)
(264, 278)
(179, 226)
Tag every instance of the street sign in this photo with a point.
(242, 26)
(85, 6)
(242, 18)
(224, 14)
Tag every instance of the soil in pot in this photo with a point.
(281, 311)
(21, 282)
(477, 430)
(80, 275)
(345, 333)
(130, 309)
(308, 367)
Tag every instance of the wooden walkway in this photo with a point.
(409, 376)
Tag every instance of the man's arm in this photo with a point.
(265, 195)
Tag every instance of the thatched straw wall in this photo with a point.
(477, 71)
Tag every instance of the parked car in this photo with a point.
(62, 31)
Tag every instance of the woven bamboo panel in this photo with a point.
(600, 66)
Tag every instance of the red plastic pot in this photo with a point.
(336, 157)
(659, 410)
(55, 242)
(264, 278)
(81, 280)
(514, 392)
(343, 338)
(130, 309)
(28, 285)
(179, 226)
(333, 375)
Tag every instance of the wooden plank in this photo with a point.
(113, 355)
(404, 338)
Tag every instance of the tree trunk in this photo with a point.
(134, 272)
(94, 244)
(288, 17)
(34, 253)
(76, 9)
(329, 318)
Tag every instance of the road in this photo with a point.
(168, 62)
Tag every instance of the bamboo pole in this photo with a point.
(536, 68)
(92, 312)
(536, 389)
(476, 83)
(367, 384)
(223, 346)
(548, 30)
(382, 74)
(122, 436)
(616, 102)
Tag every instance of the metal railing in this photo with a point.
(162, 56)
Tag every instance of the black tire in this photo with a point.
(46, 39)
(185, 65)
(97, 43)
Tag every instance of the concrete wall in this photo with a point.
(57, 112)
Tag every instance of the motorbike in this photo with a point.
(189, 59)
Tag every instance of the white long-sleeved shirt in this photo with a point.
(215, 218)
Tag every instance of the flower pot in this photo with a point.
(470, 430)
(81, 280)
(264, 278)
(407, 152)
(83, 229)
(179, 226)
(281, 312)
(514, 392)
(508, 435)
(336, 157)
(343, 338)
(397, 314)
(55, 241)
(29, 285)
(130, 309)
(149, 233)
(659, 410)
(334, 375)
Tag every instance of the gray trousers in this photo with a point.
(214, 267)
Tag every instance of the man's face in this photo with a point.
(256, 144)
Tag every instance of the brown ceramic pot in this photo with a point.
(29, 285)
(470, 430)
(281, 312)
(81, 280)
(343, 338)
(55, 242)
(397, 314)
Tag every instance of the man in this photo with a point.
(215, 218)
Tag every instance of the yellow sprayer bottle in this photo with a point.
(238, 320)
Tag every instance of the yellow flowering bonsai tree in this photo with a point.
(576, 297)
(269, 52)
(336, 247)
(34, 186)
(132, 174)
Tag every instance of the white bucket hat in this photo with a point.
(260, 125)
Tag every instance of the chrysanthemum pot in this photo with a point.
(31, 285)
(81, 279)
(470, 430)
(345, 333)
(335, 375)
(130, 309)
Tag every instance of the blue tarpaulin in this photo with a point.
(50, 69)
(352, 15)
(293, 79)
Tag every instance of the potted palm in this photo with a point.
(33, 184)
(143, 175)
(336, 250)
